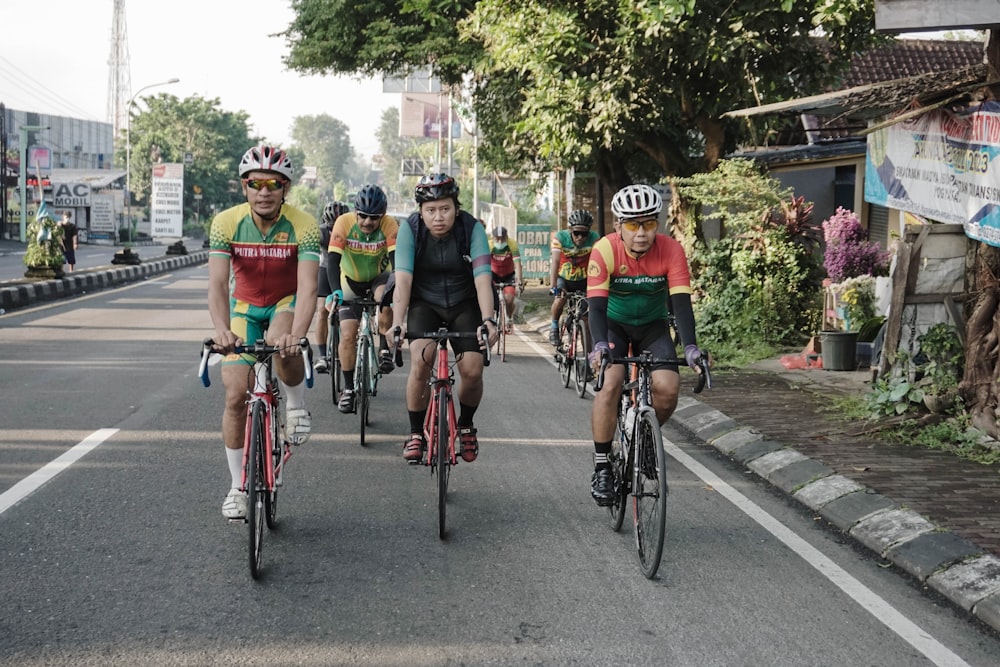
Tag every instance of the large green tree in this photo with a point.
(631, 89)
(168, 128)
(325, 143)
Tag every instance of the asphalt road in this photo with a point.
(123, 558)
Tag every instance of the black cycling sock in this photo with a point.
(416, 421)
(601, 451)
(466, 413)
(383, 344)
(349, 380)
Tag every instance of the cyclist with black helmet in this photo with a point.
(505, 264)
(568, 264)
(362, 245)
(331, 212)
(634, 277)
(443, 279)
(272, 250)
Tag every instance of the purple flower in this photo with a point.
(849, 253)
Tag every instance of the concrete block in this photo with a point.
(755, 449)
(852, 508)
(926, 554)
(882, 530)
(798, 474)
(735, 439)
(826, 490)
(767, 464)
(969, 582)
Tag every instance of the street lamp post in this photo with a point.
(128, 152)
(22, 179)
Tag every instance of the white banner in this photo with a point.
(943, 166)
(70, 195)
(102, 213)
(167, 200)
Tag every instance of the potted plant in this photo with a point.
(44, 255)
(943, 362)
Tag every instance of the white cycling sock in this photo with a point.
(235, 458)
(295, 396)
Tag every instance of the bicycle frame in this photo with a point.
(366, 331)
(266, 392)
(441, 382)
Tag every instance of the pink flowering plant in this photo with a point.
(849, 253)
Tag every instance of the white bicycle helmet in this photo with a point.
(266, 158)
(636, 201)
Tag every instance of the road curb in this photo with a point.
(27, 294)
(951, 565)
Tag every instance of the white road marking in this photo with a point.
(37, 479)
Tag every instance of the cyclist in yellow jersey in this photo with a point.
(331, 212)
(568, 264)
(362, 247)
(271, 251)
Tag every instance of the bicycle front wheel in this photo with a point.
(255, 480)
(271, 495)
(565, 354)
(580, 364)
(620, 474)
(502, 333)
(362, 385)
(649, 493)
(443, 459)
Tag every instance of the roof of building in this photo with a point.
(95, 178)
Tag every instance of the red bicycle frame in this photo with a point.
(440, 385)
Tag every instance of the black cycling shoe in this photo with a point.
(602, 487)
(385, 363)
(554, 337)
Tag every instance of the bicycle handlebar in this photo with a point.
(441, 335)
(704, 377)
(260, 350)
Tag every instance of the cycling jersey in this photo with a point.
(264, 267)
(362, 256)
(502, 260)
(573, 258)
(637, 289)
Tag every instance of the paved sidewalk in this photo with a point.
(931, 514)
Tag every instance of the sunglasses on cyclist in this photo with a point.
(368, 216)
(580, 234)
(269, 184)
(634, 225)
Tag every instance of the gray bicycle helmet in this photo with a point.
(435, 186)
(266, 158)
(636, 201)
(500, 232)
(371, 200)
(334, 210)
(581, 219)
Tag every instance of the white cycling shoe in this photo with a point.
(235, 505)
(298, 425)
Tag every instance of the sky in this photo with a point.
(54, 59)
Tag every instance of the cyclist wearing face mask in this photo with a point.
(633, 278)
(568, 264)
(505, 263)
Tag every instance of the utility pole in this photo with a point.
(3, 172)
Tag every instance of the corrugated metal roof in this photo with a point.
(95, 178)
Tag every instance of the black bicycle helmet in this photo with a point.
(435, 186)
(371, 200)
(581, 219)
(500, 232)
(334, 210)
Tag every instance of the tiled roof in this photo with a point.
(911, 57)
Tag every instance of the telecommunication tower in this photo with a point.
(119, 72)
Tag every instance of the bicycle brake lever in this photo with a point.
(307, 355)
(206, 352)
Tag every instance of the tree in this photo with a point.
(325, 143)
(633, 90)
(171, 127)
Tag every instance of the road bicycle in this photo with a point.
(503, 321)
(574, 343)
(333, 353)
(366, 364)
(637, 458)
(440, 423)
(265, 449)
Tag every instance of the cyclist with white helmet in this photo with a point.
(362, 249)
(570, 251)
(633, 278)
(505, 263)
(331, 212)
(272, 250)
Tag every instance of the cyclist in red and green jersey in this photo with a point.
(362, 247)
(636, 278)
(505, 263)
(271, 251)
(568, 263)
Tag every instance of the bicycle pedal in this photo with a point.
(237, 521)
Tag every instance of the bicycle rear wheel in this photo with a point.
(361, 384)
(332, 349)
(620, 474)
(443, 460)
(649, 493)
(271, 496)
(255, 478)
(580, 358)
(566, 353)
